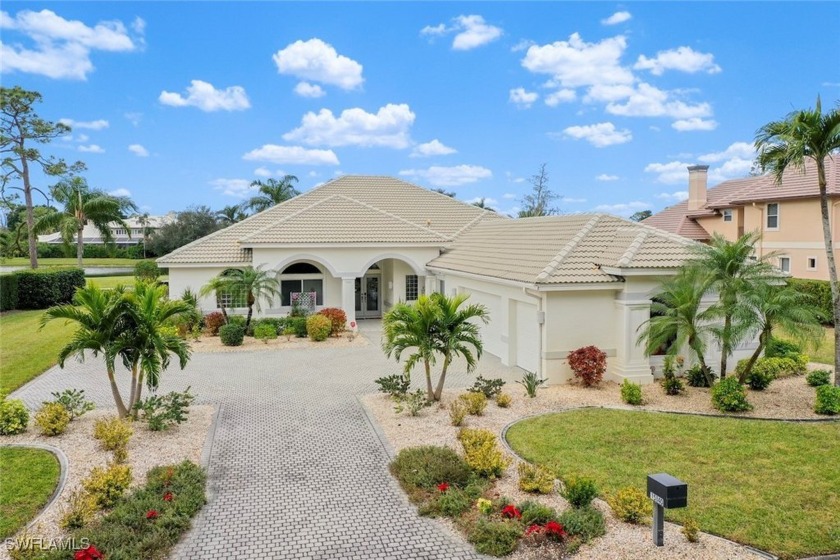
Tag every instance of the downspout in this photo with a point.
(761, 230)
(540, 326)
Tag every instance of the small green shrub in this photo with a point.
(265, 332)
(14, 417)
(299, 326)
(427, 466)
(691, 530)
(318, 327)
(819, 294)
(451, 503)
(585, 523)
(828, 400)
(579, 490)
(728, 395)
(113, 433)
(672, 386)
(232, 334)
(774, 367)
(163, 411)
(147, 271)
(630, 504)
(495, 538)
(52, 419)
(778, 348)
(695, 376)
(531, 383)
(759, 380)
(503, 400)
(412, 402)
(74, 401)
(535, 512)
(396, 385)
(80, 510)
(106, 485)
(631, 393)
(818, 377)
(535, 478)
(488, 387)
(482, 453)
(457, 412)
(476, 403)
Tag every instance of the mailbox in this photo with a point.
(667, 491)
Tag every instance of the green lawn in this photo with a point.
(771, 485)
(824, 353)
(26, 352)
(24, 261)
(29, 477)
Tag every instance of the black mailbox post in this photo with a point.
(666, 492)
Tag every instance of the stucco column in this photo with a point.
(431, 284)
(630, 360)
(348, 298)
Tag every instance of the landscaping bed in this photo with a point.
(207, 343)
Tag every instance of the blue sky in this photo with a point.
(186, 103)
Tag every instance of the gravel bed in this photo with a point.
(146, 449)
(251, 344)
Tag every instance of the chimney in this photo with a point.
(697, 179)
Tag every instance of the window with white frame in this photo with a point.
(812, 263)
(784, 264)
(230, 299)
(773, 216)
(300, 278)
(727, 215)
(411, 287)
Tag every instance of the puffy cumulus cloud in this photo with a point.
(305, 89)
(204, 96)
(61, 47)
(389, 127)
(521, 98)
(606, 177)
(120, 192)
(576, 63)
(138, 150)
(487, 200)
(317, 61)
(694, 123)
(294, 155)
(649, 101)
(449, 176)
(599, 135)
(560, 96)
(98, 124)
(677, 196)
(616, 18)
(738, 150)
(623, 209)
(683, 59)
(239, 188)
(732, 163)
(471, 31)
(432, 148)
(92, 149)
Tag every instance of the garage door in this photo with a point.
(526, 336)
(491, 334)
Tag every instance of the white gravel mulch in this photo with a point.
(250, 344)
(146, 449)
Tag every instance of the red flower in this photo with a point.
(511, 512)
(87, 553)
(443, 486)
(167, 497)
(555, 530)
(533, 529)
(152, 514)
(352, 324)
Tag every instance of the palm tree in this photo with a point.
(458, 332)
(217, 286)
(677, 319)
(272, 192)
(83, 205)
(229, 215)
(807, 134)
(254, 284)
(733, 271)
(482, 203)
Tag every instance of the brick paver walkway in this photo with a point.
(296, 470)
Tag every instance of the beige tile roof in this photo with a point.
(420, 215)
(562, 249)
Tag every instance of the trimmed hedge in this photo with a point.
(820, 293)
(40, 289)
(8, 292)
(91, 251)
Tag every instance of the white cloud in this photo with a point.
(623, 209)
(239, 188)
(294, 155)
(92, 149)
(522, 45)
(739, 150)
(605, 177)
(649, 101)
(389, 127)
(432, 148)
(317, 61)
(522, 98)
(262, 172)
(576, 63)
(616, 18)
(82, 138)
(684, 59)
(678, 196)
(574, 200)
(120, 192)
(305, 89)
(560, 96)
(138, 150)
(669, 173)
(733, 162)
(487, 200)
(98, 124)
(694, 123)
(508, 196)
(134, 118)
(207, 98)
(599, 135)
(61, 47)
(470, 32)
(449, 176)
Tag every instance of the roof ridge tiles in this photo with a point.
(632, 249)
(568, 248)
(286, 217)
(401, 219)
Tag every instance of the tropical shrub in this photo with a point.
(427, 466)
(778, 348)
(695, 376)
(265, 332)
(759, 380)
(113, 434)
(793, 364)
(106, 485)
(52, 419)
(535, 478)
(536, 513)
(147, 271)
(163, 411)
(531, 382)
(79, 511)
(579, 490)
(670, 367)
(412, 402)
(819, 292)
(828, 400)
(39, 289)
(630, 504)
(74, 401)
(457, 412)
(318, 327)
(818, 377)
(337, 317)
(586, 523)
(495, 538)
(213, 322)
(728, 395)
(476, 403)
(395, 385)
(299, 326)
(503, 400)
(488, 387)
(691, 530)
(631, 393)
(289, 332)
(448, 502)
(672, 385)
(482, 453)
(588, 364)
(14, 417)
(8, 292)
(232, 334)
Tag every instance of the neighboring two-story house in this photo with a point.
(138, 229)
(787, 215)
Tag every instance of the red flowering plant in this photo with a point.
(534, 529)
(87, 553)
(152, 514)
(511, 512)
(167, 496)
(443, 486)
(555, 531)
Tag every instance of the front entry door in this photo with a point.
(368, 296)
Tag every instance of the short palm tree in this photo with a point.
(83, 205)
(230, 215)
(249, 283)
(459, 333)
(803, 135)
(272, 192)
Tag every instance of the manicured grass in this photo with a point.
(24, 261)
(824, 353)
(29, 477)
(771, 485)
(108, 282)
(25, 351)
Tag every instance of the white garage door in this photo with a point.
(526, 336)
(491, 333)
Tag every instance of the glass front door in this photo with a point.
(368, 296)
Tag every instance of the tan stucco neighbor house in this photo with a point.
(787, 215)
(363, 243)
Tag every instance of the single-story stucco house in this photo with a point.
(362, 243)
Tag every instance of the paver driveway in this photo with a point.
(296, 469)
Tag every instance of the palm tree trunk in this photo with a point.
(133, 396)
(442, 379)
(122, 412)
(80, 244)
(832, 265)
(725, 344)
(762, 342)
(248, 320)
(30, 212)
(430, 393)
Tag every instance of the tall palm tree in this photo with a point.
(733, 271)
(252, 284)
(83, 205)
(482, 203)
(230, 215)
(272, 192)
(678, 320)
(458, 332)
(803, 135)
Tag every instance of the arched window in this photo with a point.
(301, 277)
